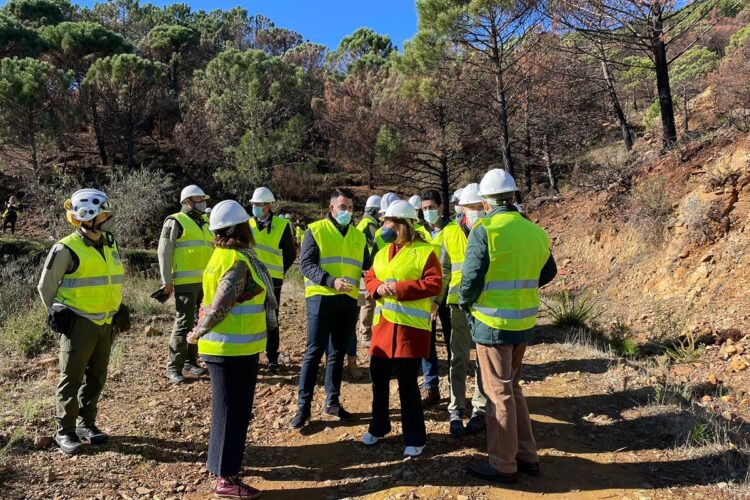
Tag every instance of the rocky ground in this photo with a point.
(603, 431)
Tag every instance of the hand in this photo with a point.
(168, 289)
(387, 289)
(341, 285)
(191, 338)
(434, 311)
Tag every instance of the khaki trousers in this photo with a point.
(509, 435)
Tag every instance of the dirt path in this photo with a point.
(600, 435)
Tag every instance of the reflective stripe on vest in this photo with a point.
(407, 264)
(243, 331)
(94, 289)
(518, 250)
(267, 245)
(192, 250)
(455, 243)
(340, 257)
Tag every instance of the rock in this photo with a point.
(712, 379)
(684, 254)
(42, 442)
(682, 370)
(706, 399)
(745, 402)
(708, 257)
(728, 350)
(738, 363)
(729, 399)
(142, 490)
(150, 331)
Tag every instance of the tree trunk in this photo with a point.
(627, 137)
(502, 118)
(548, 163)
(98, 134)
(130, 143)
(34, 159)
(371, 177)
(445, 187)
(685, 111)
(527, 150)
(662, 84)
(635, 102)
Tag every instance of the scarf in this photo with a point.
(271, 306)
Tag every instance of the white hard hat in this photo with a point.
(416, 202)
(373, 201)
(469, 195)
(262, 195)
(497, 181)
(86, 204)
(190, 191)
(456, 195)
(227, 213)
(400, 209)
(386, 201)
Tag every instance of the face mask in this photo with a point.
(458, 210)
(257, 211)
(389, 235)
(472, 216)
(108, 225)
(344, 217)
(431, 216)
(200, 207)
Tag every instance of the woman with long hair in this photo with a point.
(404, 278)
(231, 333)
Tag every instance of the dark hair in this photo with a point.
(432, 195)
(346, 193)
(239, 236)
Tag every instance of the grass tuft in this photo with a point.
(568, 311)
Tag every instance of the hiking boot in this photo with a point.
(91, 434)
(299, 419)
(175, 378)
(233, 487)
(477, 423)
(272, 368)
(488, 473)
(530, 468)
(68, 443)
(338, 411)
(430, 397)
(352, 368)
(194, 369)
(456, 425)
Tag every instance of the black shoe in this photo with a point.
(175, 378)
(299, 419)
(530, 468)
(273, 368)
(477, 423)
(194, 369)
(457, 427)
(488, 473)
(338, 411)
(92, 434)
(69, 443)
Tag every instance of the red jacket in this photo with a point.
(397, 341)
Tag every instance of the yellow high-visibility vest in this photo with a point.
(455, 242)
(243, 331)
(407, 264)
(437, 240)
(267, 245)
(94, 289)
(518, 250)
(192, 250)
(364, 224)
(340, 256)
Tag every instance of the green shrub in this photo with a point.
(700, 434)
(568, 311)
(685, 350)
(137, 296)
(25, 333)
(619, 340)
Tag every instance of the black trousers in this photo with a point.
(330, 322)
(412, 417)
(9, 222)
(232, 391)
(272, 343)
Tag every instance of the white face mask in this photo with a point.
(458, 209)
(200, 207)
(472, 216)
(431, 216)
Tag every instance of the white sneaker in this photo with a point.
(369, 440)
(413, 451)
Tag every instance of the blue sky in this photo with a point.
(323, 21)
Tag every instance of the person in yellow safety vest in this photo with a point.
(369, 225)
(185, 246)
(299, 232)
(454, 243)
(507, 260)
(11, 213)
(432, 232)
(385, 202)
(416, 202)
(458, 211)
(404, 280)
(274, 244)
(334, 255)
(81, 287)
(239, 308)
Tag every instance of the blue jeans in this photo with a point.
(330, 323)
(430, 365)
(351, 349)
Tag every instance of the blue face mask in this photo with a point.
(344, 217)
(388, 235)
(257, 211)
(431, 216)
